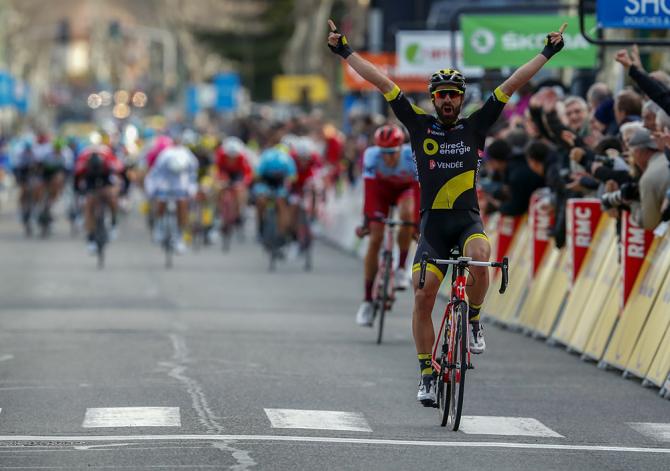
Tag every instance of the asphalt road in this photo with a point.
(218, 364)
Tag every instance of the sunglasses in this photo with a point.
(447, 93)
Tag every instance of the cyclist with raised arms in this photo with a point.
(447, 152)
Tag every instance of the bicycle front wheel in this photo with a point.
(459, 345)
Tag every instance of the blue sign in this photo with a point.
(633, 14)
(192, 106)
(227, 88)
(6, 89)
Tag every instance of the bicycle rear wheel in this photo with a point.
(385, 298)
(227, 221)
(305, 238)
(460, 364)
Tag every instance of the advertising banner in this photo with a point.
(582, 217)
(227, 89)
(494, 41)
(424, 52)
(297, 89)
(633, 14)
(541, 222)
(636, 242)
(509, 226)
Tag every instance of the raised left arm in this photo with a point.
(553, 44)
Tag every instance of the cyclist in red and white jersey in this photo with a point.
(389, 178)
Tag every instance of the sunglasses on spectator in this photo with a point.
(447, 93)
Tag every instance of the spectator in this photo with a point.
(597, 94)
(603, 118)
(577, 113)
(655, 89)
(627, 107)
(654, 180)
(512, 197)
(545, 162)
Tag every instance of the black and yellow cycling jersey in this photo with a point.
(447, 156)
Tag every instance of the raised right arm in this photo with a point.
(338, 44)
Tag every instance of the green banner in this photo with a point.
(512, 40)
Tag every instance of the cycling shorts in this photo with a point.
(22, 174)
(48, 173)
(271, 184)
(91, 182)
(441, 231)
(380, 195)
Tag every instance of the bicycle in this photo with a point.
(383, 289)
(454, 357)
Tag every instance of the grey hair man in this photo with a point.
(653, 183)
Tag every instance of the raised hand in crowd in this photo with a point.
(628, 60)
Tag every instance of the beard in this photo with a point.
(448, 114)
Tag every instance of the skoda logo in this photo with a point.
(482, 40)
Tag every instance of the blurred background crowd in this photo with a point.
(125, 74)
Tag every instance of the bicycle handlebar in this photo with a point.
(464, 262)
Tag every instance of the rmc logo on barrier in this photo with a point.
(583, 215)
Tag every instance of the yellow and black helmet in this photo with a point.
(447, 77)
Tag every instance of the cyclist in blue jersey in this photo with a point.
(447, 151)
(275, 172)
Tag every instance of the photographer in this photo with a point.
(517, 182)
(654, 181)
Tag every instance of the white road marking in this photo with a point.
(657, 431)
(518, 426)
(6, 357)
(132, 417)
(10, 439)
(317, 420)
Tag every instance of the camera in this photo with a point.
(611, 200)
(606, 160)
(628, 192)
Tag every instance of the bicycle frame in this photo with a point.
(387, 252)
(459, 280)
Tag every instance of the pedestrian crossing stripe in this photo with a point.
(98, 417)
(513, 426)
(657, 431)
(318, 420)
